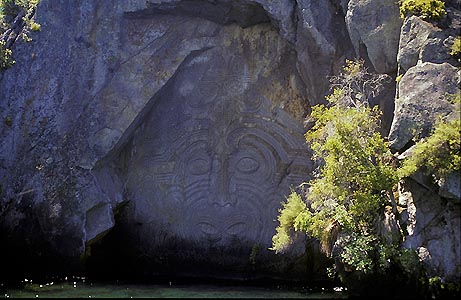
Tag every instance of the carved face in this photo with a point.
(213, 164)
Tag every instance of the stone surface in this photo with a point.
(425, 42)
(183, 116)
(163, 134)
(322, 44)
(374, 28)
(432, 230)
(421, 101)
(98, 221)
(450, 187)
(211, 161)
(414, 35)
(431, 212)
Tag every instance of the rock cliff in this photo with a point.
(169, 131)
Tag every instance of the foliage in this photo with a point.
(34, 26)
(356, 177)
(12, 7)
(442, 290)
(455, 49)
(440, 152)
(408, 259)
(358, 252)
(355, 86)
(426, 9)
(9, 8)
(286, 218)
(354, 173)
(6, 59)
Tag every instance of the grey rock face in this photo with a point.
(450, 187)
(210, 162)
(431, 215)
(374, 28)
(414, 35)
(185, 119)
(322, 44)
(421, 100)
(176, 124)
(423, 41)
(432, 230)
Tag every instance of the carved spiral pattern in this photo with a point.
(216, 168)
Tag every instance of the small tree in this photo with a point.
(355, 178)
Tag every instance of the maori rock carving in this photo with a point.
(214, 158)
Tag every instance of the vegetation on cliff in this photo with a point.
(355, 178)
(9, 11)
(439, 153)
(345, 204)
(455, 49)
(426, 9)
(6, 59)
(11, 8)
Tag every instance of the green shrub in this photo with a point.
(6, 59)
(34, 26)
(9, 8)
(347, 196)
(12, 7)
(357, 252)
(356, 178)
(455, 49)
(286, 218)
(426, 9)
(439, 153)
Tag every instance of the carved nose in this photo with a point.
(223, 199)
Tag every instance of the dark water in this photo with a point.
(81, 288)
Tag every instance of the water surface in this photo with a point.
(83, 289)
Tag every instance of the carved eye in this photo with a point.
(199, 166)
(247, 165)
(236, 228)
(207, 228)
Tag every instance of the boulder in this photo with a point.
(374, 28)
(425, 42)
(422, 99)
(414, 35)
(450, 186)
(432, 230)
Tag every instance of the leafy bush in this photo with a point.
(354, 170)
(286, 218)
(12, 7)
(356, 178)
(9, 8)
(34, 26)
(440, 152)
(426, 9)
(455, 49)
(6, 59)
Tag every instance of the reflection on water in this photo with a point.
(80, 288)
